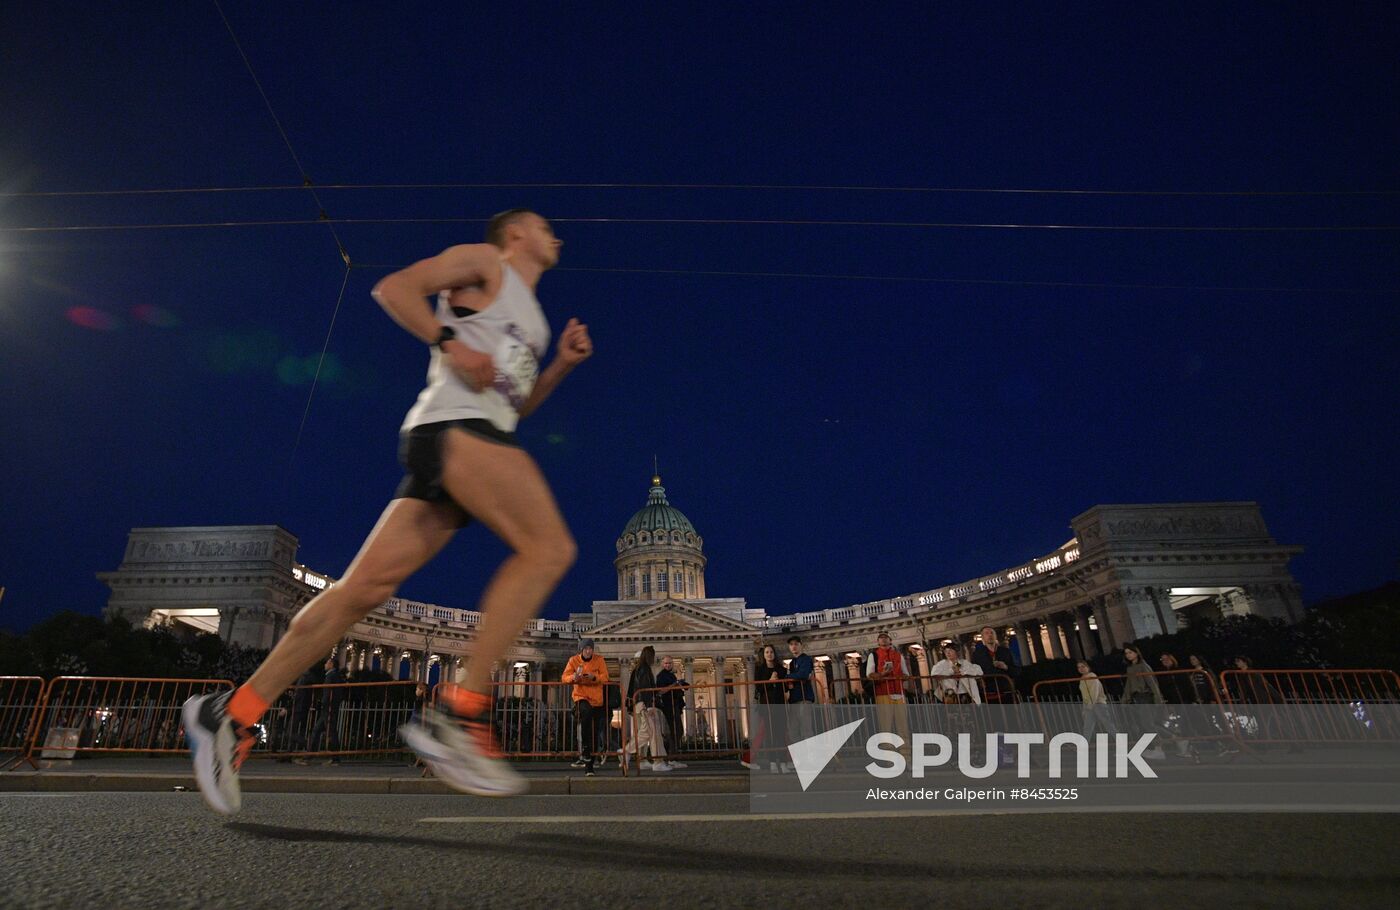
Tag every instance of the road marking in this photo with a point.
(625, 819)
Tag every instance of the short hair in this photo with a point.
(992, 629)
(496, 227)
(794, 639)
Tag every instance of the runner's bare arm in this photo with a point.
(574, 348)
(402, 293)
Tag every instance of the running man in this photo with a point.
(487, 336)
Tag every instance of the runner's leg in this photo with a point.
(409, 533)
(501, 487)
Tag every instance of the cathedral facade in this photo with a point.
(1129, 572)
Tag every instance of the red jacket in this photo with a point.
(892, 684)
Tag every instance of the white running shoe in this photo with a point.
(462, 753)
(644, 766)
(662, 766)
(218, 747)
(677, 764)
(748, 764)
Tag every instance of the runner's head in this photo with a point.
(524, 233)
(586, 649)
(883, 639)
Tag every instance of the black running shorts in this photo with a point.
(420, 452)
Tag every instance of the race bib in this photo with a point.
(516, 370)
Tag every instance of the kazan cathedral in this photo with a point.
(1129, 571)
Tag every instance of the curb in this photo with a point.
(38, 782)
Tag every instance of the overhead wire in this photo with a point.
(923, 279)
(795, 187)
(322, 219)
(759, 222)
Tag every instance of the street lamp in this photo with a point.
(428, 636)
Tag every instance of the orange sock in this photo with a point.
(246, 706)
(463, 701)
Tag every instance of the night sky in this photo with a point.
(834, 439)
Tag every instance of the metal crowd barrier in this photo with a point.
(1189, 712)
(111, 714)
(335, 720)
(1294, 707)
(537, 720)
(20, 697)
(720, 720)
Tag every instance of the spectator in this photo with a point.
(1253, 687)
(328, 724)
(999, 663)
(1176, 688)
(955, 677)
(1175, 683)
(1097, 713)
(672, 703)
(770, 694)
(1140, 686)
(801, 694)
(1140, 689)
(1203, 680)
(641, 707)
(887, 670)
(297, 734)
(589, 674)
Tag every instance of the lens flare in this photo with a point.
(92, 318)
(153, 315)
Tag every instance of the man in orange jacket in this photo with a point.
(589, 674)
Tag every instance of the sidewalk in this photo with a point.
(353, 776)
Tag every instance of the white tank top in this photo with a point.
(514, 332)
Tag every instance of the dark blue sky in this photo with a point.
(834, 440)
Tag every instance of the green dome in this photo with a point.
(658, 514)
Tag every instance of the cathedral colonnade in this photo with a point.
(1128, 572)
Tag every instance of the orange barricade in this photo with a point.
(1189, 710)
(334, 720)
(20, 697)
(1313, 706)
(83, 714)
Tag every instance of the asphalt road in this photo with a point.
(674, 851)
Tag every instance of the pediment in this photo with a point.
(670, 617)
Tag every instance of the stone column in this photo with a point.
(1053, 634)
(721, 699)
(1162, 600)
(1087, 644)
(1023, 641)
(1274, 601)
(1066, 623)
(1140, 610)
(745, 694)
(688, 674)
(922, 668)
(1120, 618)
(1107, 642)
(840, 684)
